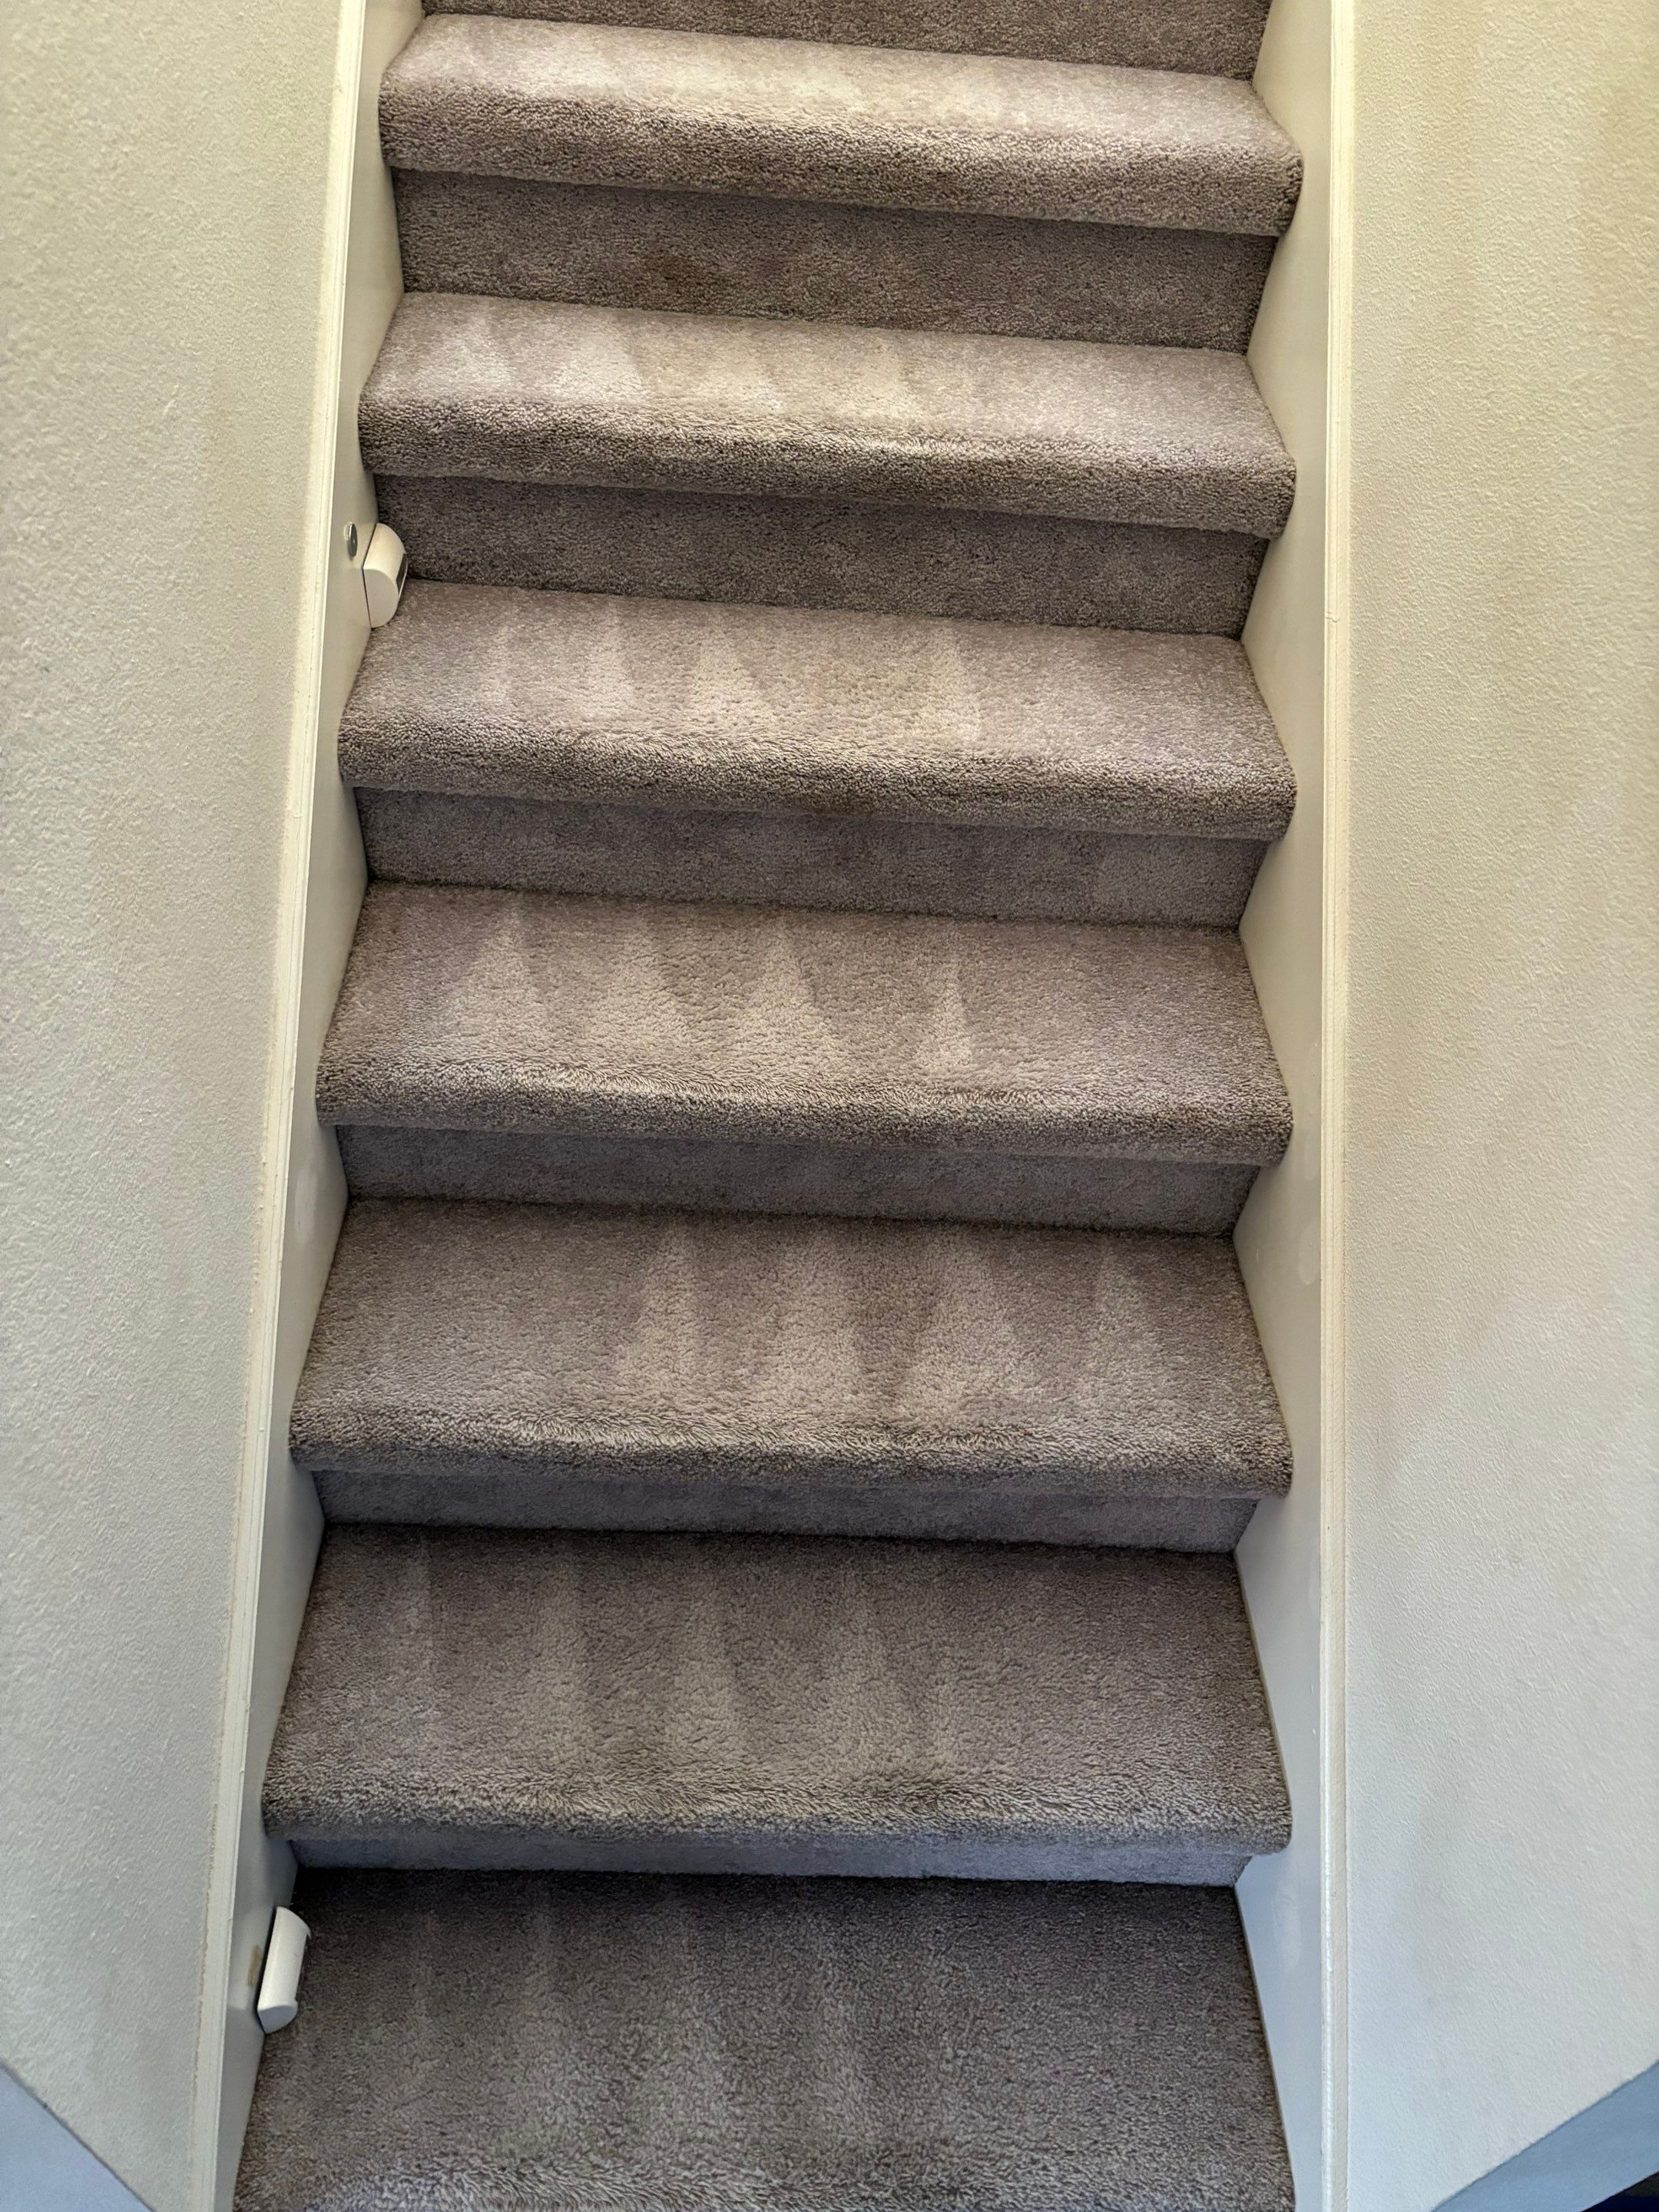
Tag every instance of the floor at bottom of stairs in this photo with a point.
(537, 2043)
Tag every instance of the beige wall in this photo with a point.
(163, 192)
(1497, 817)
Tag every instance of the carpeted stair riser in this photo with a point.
(1114, 284)
(919, 1183)
(823, 553)
(499, 2041)
(508, 1495)
(544, 1366)
(1210, 38)
(806, 860)
(796, 1707)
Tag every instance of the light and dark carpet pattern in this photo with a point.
(776, 1723)
(782, 119)
(537, 2043)
(785, 1705)
(499, 1010)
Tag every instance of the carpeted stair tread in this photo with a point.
(535, 391)
(469, 1697)
(501, 2041)
(681, 703)
(784, 118)
(507, 1353)
(1210, 38)
(468, 1008)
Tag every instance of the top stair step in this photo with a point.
(1210, 38)
(532, 391)
(781, 119)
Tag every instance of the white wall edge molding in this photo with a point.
(44, 2167)
(1283, 1560)
(322, 883)
(1332, 1357)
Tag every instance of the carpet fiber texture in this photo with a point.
(971, 133)
(557, 695)
(525, 2043)
(692, 1704)
(823, 553)
(1212, 38)
(494, 1355)
(711, 254)
(859, 863)
(776, 1724)
(475, 1009)
(537, 392)
(897, 1183)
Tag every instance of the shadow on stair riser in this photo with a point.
(816, 553)
(846, 863)
(705, 253)
(1184, 1198)
(788, 1853)
(481, 1492)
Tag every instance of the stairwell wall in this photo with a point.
(167, 186)
(1501, 854)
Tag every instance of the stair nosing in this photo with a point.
(501, 729)
(1160, 1641)
(504, 96)
(444, 1020)
(1218, 1437)
(540, 392)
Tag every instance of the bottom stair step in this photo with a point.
(511, 1698)
(514, 2042)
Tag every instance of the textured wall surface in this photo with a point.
(163, 186)
(1499, 1179)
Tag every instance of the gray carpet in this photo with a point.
(495, 1363)
(971, 133)
(557, 695)
(537, 392)
(860, 863)
(705, 1705)
(501, 1010)
(1213, 38)
(525, 2043)
(894, 1183)
(898, 267)
(823, 553)
(1141, 770)
(784, 1394)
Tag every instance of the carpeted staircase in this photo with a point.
(777, 1723)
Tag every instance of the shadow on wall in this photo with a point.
(1640, 2196)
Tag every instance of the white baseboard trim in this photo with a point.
(323, 880)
